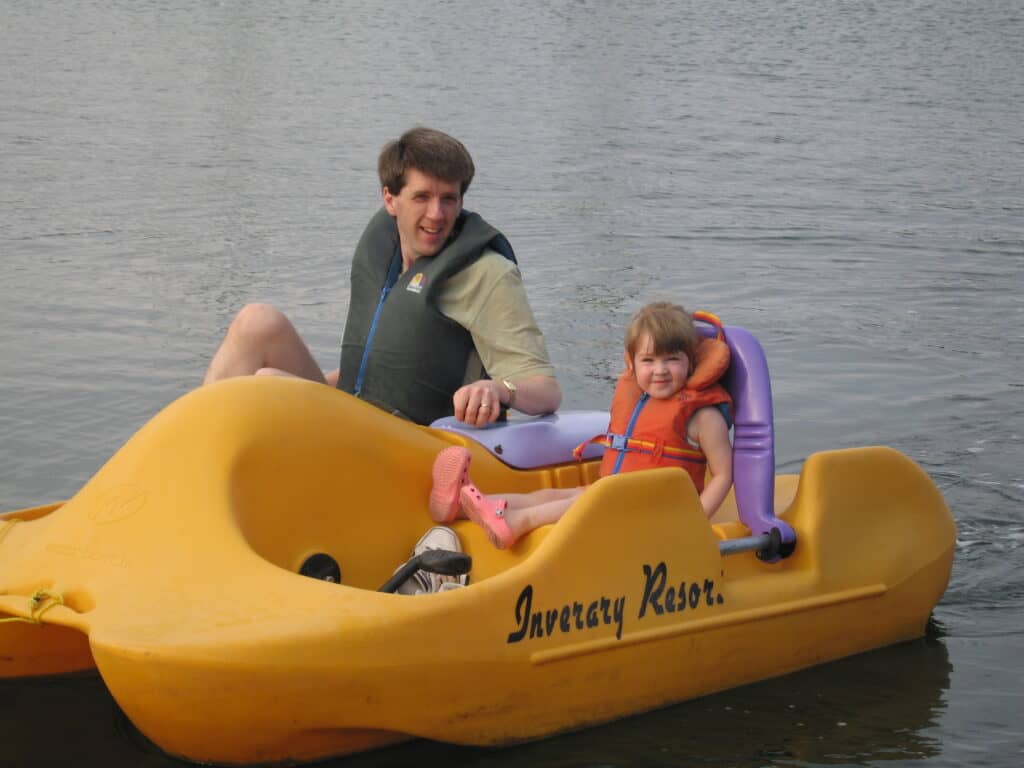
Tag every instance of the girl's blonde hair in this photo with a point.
(670, 327)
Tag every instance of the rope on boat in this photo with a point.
(42, 601)
(6, 525)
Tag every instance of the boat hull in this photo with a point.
(179, 563)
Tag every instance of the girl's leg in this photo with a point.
(522, 520)
(504, 525)
(542, 496)
(505, 518)
(451, 473)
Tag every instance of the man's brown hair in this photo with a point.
(430, 152)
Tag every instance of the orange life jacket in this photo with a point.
(658, 434)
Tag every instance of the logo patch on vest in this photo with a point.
(417, 284)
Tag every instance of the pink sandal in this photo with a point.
(489, 514)
(451, 472)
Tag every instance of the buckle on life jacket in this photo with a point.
(618, 442)
(657, 449)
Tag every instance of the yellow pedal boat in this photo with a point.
(175, 571)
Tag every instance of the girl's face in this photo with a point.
(660, 376)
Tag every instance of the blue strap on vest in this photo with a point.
(629, 433)
(393, 271)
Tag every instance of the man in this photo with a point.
(438, 319)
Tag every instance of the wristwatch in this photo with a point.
(511, 392)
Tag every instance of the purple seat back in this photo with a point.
(753, 441)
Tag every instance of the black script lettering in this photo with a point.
(552, 619)
(709, 587)
(536, 625)
(544, 622)
(670, 599)
(618, 611)
(694, 595)
(522, 614)
(655, 583)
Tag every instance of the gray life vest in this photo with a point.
(399, 351)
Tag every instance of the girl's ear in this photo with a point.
(629, 361)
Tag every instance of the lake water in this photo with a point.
(844, 179)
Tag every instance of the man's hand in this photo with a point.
(478, 404)
(534, 395)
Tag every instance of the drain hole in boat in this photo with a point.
(321, 566)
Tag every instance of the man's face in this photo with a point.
(425, 210)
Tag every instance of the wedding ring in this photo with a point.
(485, 406)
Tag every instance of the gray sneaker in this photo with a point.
(422, 582)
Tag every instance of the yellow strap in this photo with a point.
(42, 601)
(634, 443)
(711, 319)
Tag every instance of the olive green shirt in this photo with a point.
(488, 299)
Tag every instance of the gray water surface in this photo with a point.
(844, 179)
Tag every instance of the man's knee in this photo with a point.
(257, 323)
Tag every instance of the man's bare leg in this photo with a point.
(262, 340)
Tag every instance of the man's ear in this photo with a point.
(389, 201)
